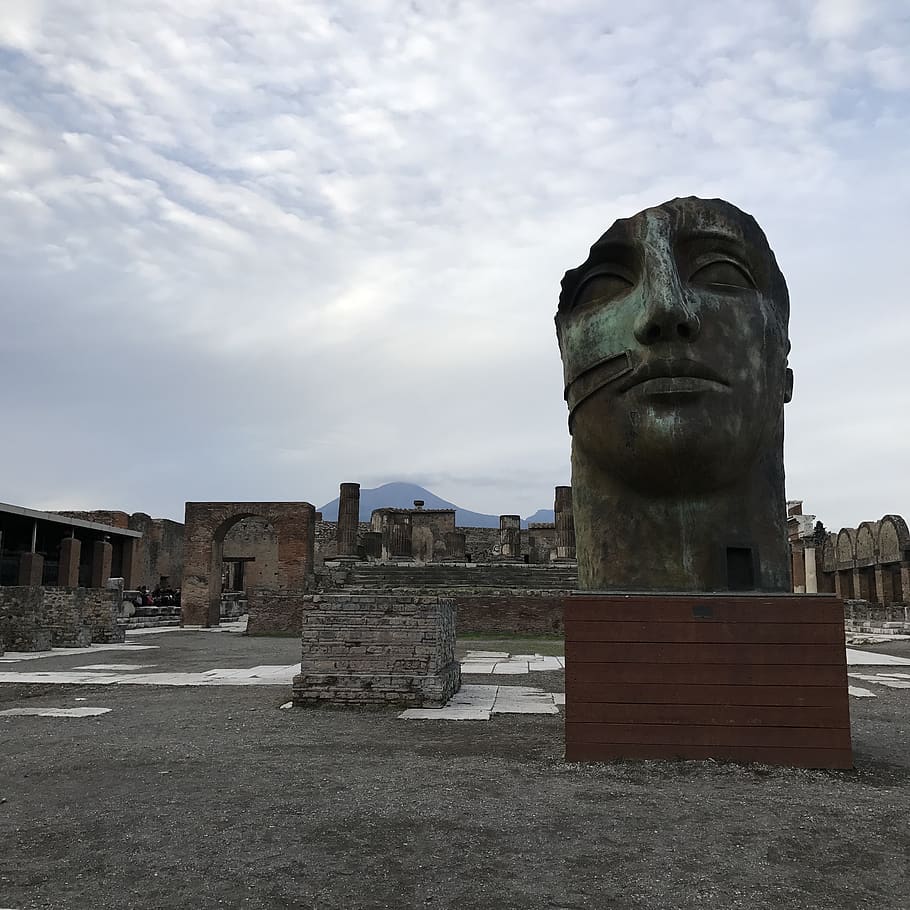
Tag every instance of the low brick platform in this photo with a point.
(751, 678)
(35, 617)
(377, 649)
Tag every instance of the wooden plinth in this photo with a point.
(751, 678)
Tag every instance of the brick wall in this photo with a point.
(526, 611)
(377, 649)
(34, 618)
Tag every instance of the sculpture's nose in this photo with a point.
(665, 316)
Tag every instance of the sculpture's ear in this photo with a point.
(788, 386)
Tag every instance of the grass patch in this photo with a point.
(512, 642)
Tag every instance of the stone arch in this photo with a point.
(893, 539)
(206, 525)
(865, 543)
(846, 548)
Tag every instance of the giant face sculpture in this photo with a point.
(674, 342)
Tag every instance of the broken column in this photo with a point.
(510, 536)
(565, 523)
(102, 554)
(68, 566)
(348, 519)
(31, 569)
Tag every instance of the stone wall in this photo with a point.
(160, 552)
(377, 649)
(255, 541)
(34, 618)
(326, 539)
(272, 612)
(858, 612)
(531, 612)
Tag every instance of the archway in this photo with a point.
(207, 524)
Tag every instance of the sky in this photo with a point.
(253, 249)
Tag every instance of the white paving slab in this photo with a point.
(500, 663)
(510, 668)
(871, 659)
(481, 702)
(54, 712)
(860, 692)
(114, 667)
(559, 698)
(267, 675)
(445, 713)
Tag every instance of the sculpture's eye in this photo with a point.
(722, 273)
(603, 286)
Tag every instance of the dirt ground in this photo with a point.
(213, 797)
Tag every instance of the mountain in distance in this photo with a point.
(402, 496)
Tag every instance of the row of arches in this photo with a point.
(870, 562)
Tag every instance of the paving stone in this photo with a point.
(510, 668)
(869, 659)
(54, 712)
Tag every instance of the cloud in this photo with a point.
(251, 251)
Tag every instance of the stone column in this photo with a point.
(905, 581)
(859, 586)
(399, 536)
(510, 536)
(798, 569)
(838, 587)
(348, 519)
(131, 563)
(68, 567)
(811, 571)
(455, 545)
(565, 524)
(31, 569)
(102, 554)
(884, 585)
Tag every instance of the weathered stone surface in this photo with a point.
(377, 649)
(35, 618)
(348, 518)
(674, 341)
(207, 524)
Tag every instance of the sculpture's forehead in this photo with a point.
(683, 218)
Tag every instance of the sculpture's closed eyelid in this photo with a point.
(720, 258)
(613, 279)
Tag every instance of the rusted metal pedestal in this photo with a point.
(737, 677)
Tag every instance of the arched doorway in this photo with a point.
(206, 526)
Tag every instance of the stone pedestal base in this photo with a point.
(377, 649)
(736, 677)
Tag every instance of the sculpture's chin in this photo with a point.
(670, 453)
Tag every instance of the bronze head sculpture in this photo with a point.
(674, 342)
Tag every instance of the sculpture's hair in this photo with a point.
(772, 278)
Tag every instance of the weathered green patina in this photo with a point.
(674, 341)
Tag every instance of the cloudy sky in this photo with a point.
(253, 249)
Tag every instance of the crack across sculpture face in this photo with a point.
(674, 343)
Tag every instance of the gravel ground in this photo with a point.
(213, 797)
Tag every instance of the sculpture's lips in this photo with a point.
(672, 376)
